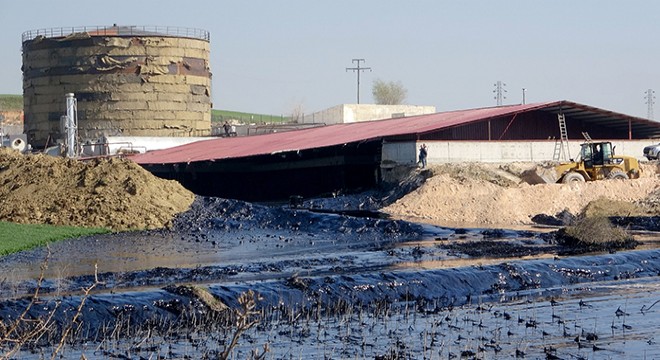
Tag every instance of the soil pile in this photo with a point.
(490, 194)
(112, 193)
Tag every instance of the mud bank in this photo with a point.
(329, 284)
(431, 289)
(510, 309)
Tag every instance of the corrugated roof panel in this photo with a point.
(224, 148)
(317, 137)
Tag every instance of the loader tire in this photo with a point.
(617, 175)
(572, 177)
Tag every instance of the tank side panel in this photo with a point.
(136, 86)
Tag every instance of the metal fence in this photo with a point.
(251, 119)
(132, 30)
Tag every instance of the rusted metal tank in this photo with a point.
(128, 81)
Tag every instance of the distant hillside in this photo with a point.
(247, 118)
(11, 102)
(15, 103)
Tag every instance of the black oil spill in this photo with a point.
(301, 263)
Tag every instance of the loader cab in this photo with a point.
(596, 154)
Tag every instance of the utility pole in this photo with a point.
(650, 100)
(358, 69)
(499, 92)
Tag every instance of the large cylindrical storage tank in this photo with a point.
(128, 81)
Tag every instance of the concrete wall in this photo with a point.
(11, 122)
(333, 115)
(494, 151)
(11, 129)
(348, 113)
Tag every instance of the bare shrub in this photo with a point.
(595, 233)
(245, 317)
(27, 330)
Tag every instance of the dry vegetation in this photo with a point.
(28, 332)
(595, 233)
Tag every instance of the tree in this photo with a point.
(389, 93)
(297, 114)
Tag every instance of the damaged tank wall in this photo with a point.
(137, 85)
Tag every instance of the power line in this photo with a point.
(358, 69)
(650, 100)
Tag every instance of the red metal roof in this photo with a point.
(237, 147)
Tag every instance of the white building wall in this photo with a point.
(349, 113)
(333, 115)
(494, 151)
(112, 145)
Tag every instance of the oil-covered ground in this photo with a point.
(346, 283)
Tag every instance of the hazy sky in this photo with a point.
(274, 56)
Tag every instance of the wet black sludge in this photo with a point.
(326, 268)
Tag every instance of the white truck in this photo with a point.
(652, 152)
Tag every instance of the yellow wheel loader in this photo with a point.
(595, 162)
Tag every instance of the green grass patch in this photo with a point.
(18, 237)
(15, 102)
(11, 102)
(226, 115)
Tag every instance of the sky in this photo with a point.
(278, 57)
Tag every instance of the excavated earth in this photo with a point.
(110, 193)
(448, 264)
(497, 195)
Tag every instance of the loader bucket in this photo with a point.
(540, 175)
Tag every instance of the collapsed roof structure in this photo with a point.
(348, 156)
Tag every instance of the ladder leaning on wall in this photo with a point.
(561, 145)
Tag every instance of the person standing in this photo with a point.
(227, 129)
(423, 153)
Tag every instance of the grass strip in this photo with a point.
(18, 237)
(11, 102)
(226, 115)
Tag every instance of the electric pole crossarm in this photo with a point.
(499, 92)
(358, 69)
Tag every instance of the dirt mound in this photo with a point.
(478, 196)
(113, 193)
(466, 173)
(604, 207)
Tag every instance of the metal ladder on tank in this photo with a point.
(561, 145)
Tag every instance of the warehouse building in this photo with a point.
(352, 156)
